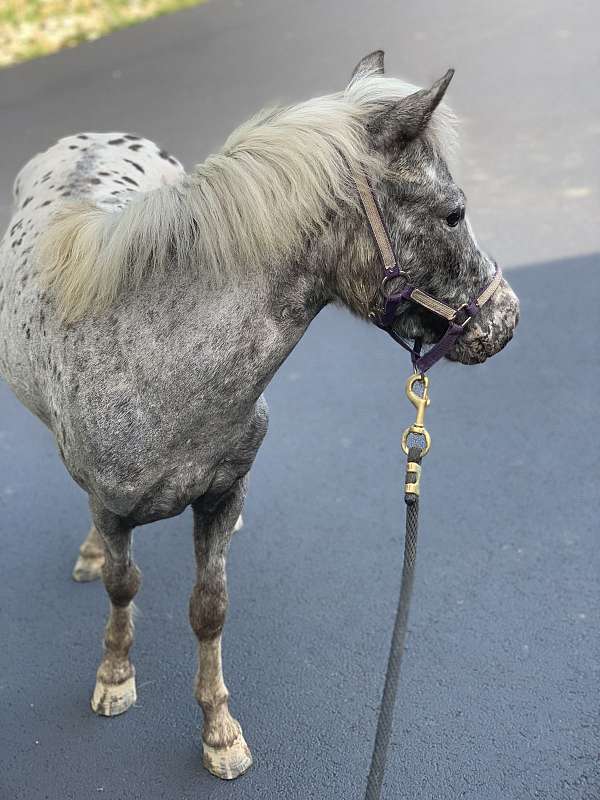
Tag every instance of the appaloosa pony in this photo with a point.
(143, 311)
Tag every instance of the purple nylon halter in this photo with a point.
(385, 315)
(385, 307)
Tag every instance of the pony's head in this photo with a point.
(426, 216)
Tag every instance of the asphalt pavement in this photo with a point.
(499, 694)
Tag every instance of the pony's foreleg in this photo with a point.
(225, 753)
(115, 679)
(88, 566)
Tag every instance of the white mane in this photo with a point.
(274, 183)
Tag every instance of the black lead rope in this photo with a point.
(392, 676)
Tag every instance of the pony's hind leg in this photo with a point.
(88, 566)
(115, 680)
(225, 752)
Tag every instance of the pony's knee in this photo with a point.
(208, 607)
(122, 583)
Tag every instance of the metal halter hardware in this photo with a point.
(385, 307)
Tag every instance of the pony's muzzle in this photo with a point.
(491, 331)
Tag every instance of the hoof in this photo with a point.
(88, 569)
(228, 762)
(112, 699)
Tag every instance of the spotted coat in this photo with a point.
(123, 395)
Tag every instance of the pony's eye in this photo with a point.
(455, 217)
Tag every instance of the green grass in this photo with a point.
(32, 28)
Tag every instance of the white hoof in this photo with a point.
(227, 762)
(110, 700)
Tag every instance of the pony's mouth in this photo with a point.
(478, 349)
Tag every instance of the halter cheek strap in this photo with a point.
(385, 307)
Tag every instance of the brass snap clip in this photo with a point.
(420, 402)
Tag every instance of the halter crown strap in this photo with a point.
(457, 318)
(380, 234)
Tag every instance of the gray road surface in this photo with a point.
(500, 682)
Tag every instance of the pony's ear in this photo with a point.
(407, 118)
(369, 65)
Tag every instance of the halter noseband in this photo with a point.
(385, 306)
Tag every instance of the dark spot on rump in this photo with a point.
(130, 180)
(45, 203)
(173, 160)
(116, 141)
(163, 154)
(132, 137)
(136, 165)
(26, 201)
(16, 227)
(95, 180)
(73, 147)
(135, 147)
(117, 191)
(104, 174)
(82, 136)
(66, 194)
